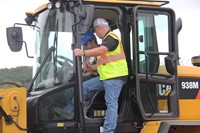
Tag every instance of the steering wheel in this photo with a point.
(65, 72)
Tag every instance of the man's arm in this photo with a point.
(91, 52)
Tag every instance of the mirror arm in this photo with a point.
(27, 50)
(34, 26)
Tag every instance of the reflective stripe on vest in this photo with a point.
(111, 59)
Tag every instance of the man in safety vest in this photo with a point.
(112, 68)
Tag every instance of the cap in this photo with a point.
(100, 22)
(86, 37)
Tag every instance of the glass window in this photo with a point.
(152, 40)
(57, 106)
(53, 43)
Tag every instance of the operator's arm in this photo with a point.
(90, 70)
(89, 67)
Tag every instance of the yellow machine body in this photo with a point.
(13, 102)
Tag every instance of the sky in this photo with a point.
(189, 12)
(13, 11)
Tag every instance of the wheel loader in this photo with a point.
(160, 95)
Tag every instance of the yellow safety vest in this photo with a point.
(112, 64)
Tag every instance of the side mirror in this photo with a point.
(170, 64)
(86, 15)
(178, 25)
(178, 29)
(14, 38)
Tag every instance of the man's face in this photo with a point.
(97, 30)
(90, 44)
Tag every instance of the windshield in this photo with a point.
(53, 48)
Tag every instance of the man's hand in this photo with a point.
(78, 52)
(86, 67)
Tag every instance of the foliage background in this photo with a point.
(20, 75)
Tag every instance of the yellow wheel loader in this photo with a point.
(160, 96)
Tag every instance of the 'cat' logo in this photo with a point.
(164, 90)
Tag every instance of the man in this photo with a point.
(112, 68)
(89, 41)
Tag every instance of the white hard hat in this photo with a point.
(100, 22)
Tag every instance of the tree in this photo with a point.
(19, 75)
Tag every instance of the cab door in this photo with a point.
(154, 62)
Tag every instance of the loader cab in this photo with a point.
(54, 96)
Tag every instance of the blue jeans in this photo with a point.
(91, 85)
(112, 89)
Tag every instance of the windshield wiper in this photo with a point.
(55, 45)
(29, 88)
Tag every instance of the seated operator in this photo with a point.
(89, 41)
